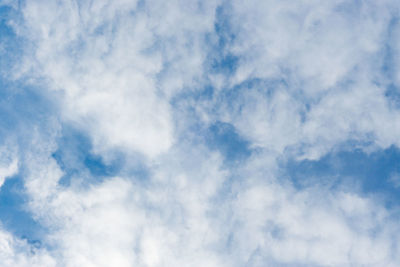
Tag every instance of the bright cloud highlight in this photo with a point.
(199, 133)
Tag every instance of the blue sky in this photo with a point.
(199, 133)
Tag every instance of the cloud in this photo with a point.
(17, 252)
(116, 66)
(201, 101)
(310, 227)
(193, 211)
(121, 221)
(8, 164)
(308, 74)
(395, 180)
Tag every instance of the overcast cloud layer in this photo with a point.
(199, 133)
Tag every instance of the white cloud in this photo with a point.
(117, 65)
(192, 211)
(18, 253)
(8, 163)
(317, 71)
(122, 221)
(311, 228)
(309, 39)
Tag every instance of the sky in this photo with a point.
(199, 133)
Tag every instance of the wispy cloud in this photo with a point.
(153, 133)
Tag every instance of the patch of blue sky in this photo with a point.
(368, 174)
(388, 68)
(221, 60)
(217, 136)
(21, 108)
(223, 26)
(76, 158)
(393, 95)
(18, 110)
(6, 13)
(81, 165)
(13, 213)
(388, 60)
(19, 103)
(224, 138)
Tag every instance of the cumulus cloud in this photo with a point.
(116, 65)
(193, 211)
(147, 80)
(317, 69)
(312, 227)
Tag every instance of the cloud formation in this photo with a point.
(201, 103)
